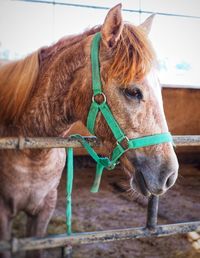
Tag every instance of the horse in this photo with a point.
(45, 93)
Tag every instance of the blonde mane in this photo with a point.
(17, 80)
(134, 56)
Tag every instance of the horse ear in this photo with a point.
(146, 25)
(112, 26)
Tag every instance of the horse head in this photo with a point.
(133, 93)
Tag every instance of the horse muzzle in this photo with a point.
(154, 177)
(148, 185)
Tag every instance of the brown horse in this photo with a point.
(45, 93)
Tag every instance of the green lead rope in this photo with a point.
(69, 184)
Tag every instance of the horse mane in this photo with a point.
(64, 43)
(17, 80)
(134, 56)
(132, 59)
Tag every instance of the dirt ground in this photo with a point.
(115, 209)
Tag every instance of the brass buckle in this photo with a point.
(124, 143)
(99, 94)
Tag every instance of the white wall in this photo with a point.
(26, 26)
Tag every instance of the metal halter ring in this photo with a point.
(121, 143)
(99, 94)
(111, 167)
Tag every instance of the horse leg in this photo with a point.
(5, 228)
(37, 224)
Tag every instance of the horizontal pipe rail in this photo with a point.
(58, 142)
(44, 142)
(186, 140)
(53, 241)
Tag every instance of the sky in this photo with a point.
(25, 27)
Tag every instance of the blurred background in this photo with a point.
(26, 25)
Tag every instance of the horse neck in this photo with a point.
(61, 96)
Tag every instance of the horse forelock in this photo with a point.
(134, 56)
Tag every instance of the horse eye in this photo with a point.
(133, 93)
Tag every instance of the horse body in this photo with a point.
(31, 186)
(44, 94)
(25, 181)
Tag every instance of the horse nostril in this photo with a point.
(170, 180)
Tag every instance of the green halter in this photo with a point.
(122, 142)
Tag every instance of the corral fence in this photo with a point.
(151, 229)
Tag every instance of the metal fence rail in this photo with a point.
(61, 240)
(58, 142)
(150, 230)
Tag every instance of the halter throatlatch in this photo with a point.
(123, 143)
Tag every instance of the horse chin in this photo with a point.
(138, 183)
